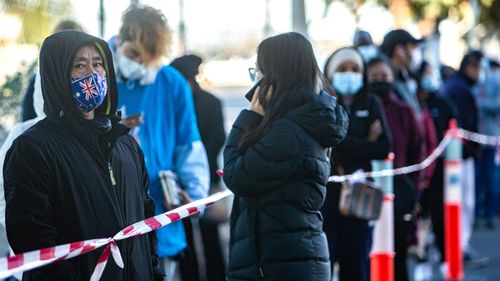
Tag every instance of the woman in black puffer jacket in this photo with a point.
(277, 164)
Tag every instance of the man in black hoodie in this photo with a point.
(210, 119)
(77, 175)
(458, 88)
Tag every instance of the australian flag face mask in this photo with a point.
(89, 91)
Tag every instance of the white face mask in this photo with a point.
(368, 52)
(130, 69)
(347, 83)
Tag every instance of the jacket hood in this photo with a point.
(56, 59)
(323, 118)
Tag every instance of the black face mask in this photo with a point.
(380, 88)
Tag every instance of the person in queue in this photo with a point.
(276, 163)
(367, 138)
(407, 140)
(76, 174)
(157, 104)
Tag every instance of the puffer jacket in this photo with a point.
(279, 186)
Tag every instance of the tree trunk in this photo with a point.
(299, 17)
(101, 18)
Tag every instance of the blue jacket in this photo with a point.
(170, 140)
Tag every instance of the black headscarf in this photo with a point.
(56, 59)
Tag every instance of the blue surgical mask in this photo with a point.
(89, 91)
(347, 83)
(430, 83)
(482, 77)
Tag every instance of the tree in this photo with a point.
(433, 11)
(299, 17)
(12, 93)
(37, 17)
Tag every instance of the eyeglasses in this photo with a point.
(252, 71)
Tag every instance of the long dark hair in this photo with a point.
(288, 63)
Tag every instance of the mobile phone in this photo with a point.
(249, 94)
(133, 120)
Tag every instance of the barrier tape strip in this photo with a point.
(38, 258)
(399, 171)
(461, 133)
(479, 138)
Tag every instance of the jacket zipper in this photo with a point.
(111, 176)
(124, 242)
(261, 272)
(257, 241)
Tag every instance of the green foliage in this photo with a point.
(12, 91)
(490, 13)
(37, 16)
(489, 10)
(432, 8)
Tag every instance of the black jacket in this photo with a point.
(356, 151)
(279, 186)
(211, 125)
(442, 111)
(458, 88)
(67, 181)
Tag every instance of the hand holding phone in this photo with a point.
(133, 121)
(250, 93)
(255, 103)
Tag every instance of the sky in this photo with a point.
(223, 22)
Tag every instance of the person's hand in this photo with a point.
(185, 198)
(375, 130)
(132, 121)
(255, 105)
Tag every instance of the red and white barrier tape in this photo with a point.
(38, 258)
(470, 136)
(479, 138)
(399, 171)
(34, 259)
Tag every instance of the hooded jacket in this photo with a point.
(279, 184)
(66, 180)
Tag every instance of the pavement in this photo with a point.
(485, 242)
